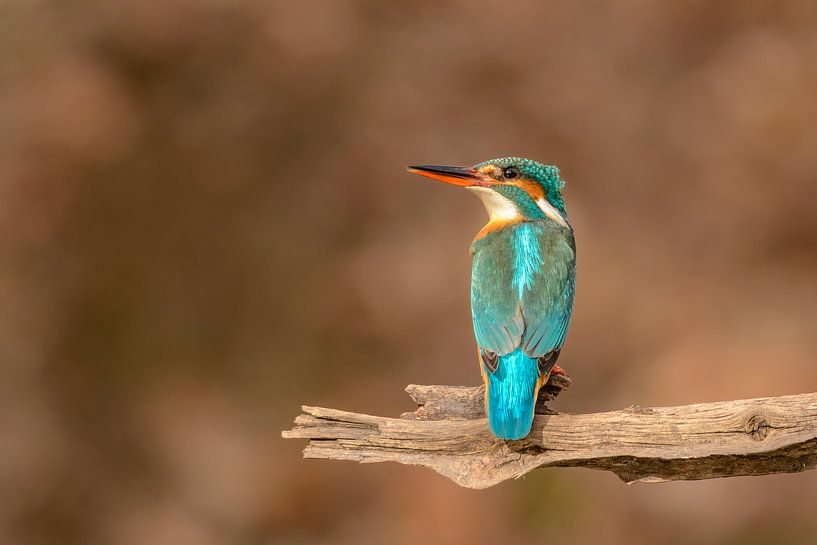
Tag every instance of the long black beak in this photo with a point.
(462, 176)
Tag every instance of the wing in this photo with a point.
(524, 301)
(548, 306)
(495, 306)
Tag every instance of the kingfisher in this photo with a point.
(523, 281)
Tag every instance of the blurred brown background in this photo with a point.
(204, 223)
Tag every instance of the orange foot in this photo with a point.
(557, 371)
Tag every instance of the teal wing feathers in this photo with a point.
(498, 321)
(548, 306)
(522, 288)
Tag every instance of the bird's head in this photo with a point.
(512, 188)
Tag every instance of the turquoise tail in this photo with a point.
(512, 395)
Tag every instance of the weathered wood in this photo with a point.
(448, 433)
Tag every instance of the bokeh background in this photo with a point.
(204, 223)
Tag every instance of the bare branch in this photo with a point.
(448, 433)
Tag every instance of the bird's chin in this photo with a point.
(499, 207)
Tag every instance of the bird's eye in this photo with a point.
(510, 173)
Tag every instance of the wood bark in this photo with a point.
(449, 434)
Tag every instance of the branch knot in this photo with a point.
(757, 427)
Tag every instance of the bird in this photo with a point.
(523, 282)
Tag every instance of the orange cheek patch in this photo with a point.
(531, 188)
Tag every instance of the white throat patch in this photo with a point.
(499, 207)
(502, 209)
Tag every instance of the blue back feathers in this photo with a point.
(512, 388)
(527, 262)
